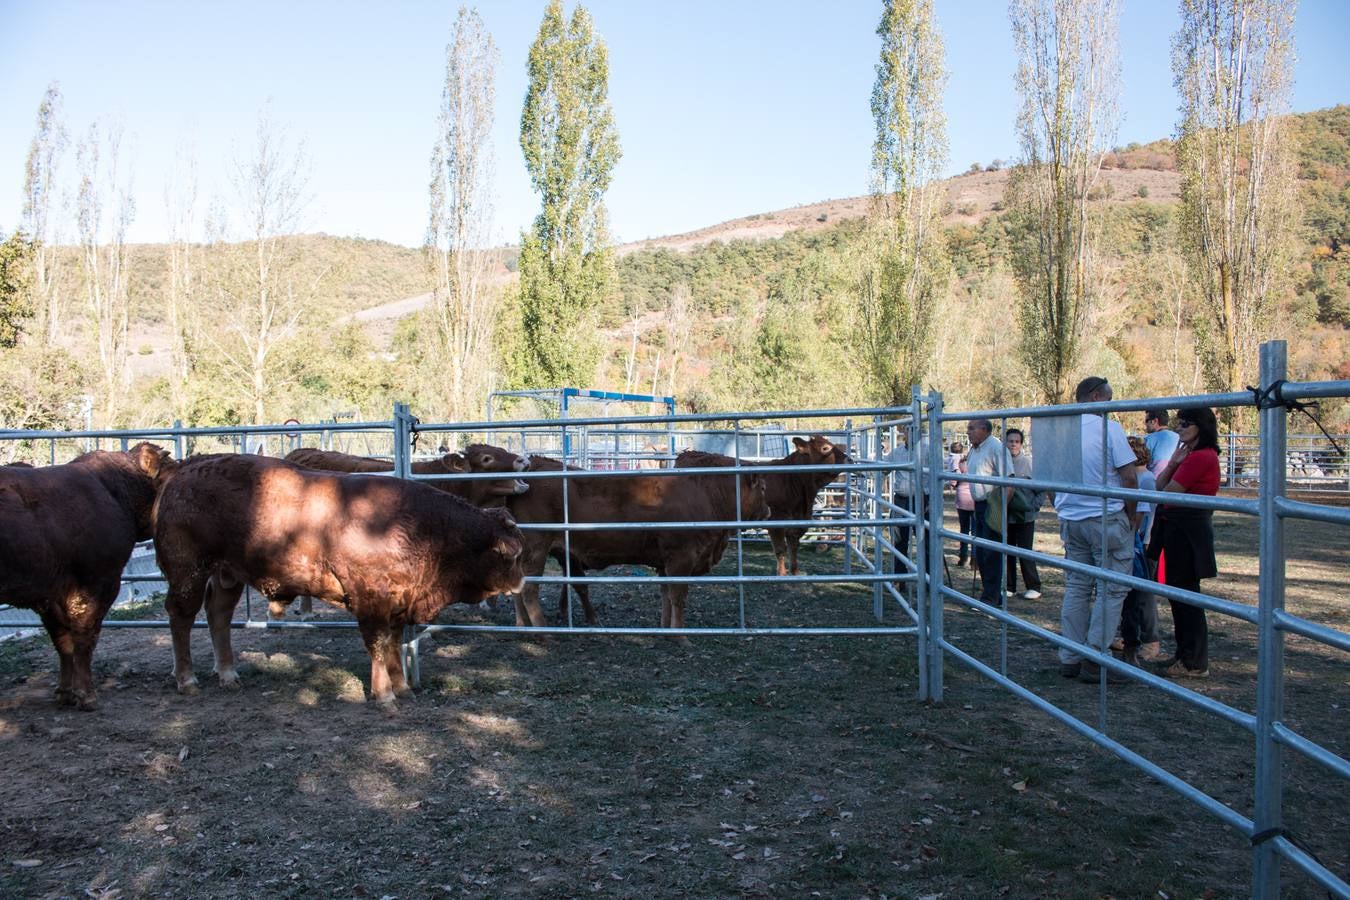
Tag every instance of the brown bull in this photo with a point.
(476, 458)
(789, 495)
(639, 499)
(66, 533)
(393, 552)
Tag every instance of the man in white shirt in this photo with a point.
(988, 458)
(1081, 525)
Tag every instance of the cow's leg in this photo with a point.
(222, 596)
(306, 608)
(86, 621)
(778, 537)
(794, 541)
(673, 598)
(381, 642)
(528, 610)
(584, 595)
(64, 642)
(182, 604)
(393, 662)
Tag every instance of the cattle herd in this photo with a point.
(393, 552)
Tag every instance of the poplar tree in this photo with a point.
(459, 229)
(1231, 60)
(1068, 76)
(39, 195)
(104, 210)
(571, 147)
(906, 267)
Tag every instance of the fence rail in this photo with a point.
(906, 597)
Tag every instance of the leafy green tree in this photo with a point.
(1232, 61)
(571, 147)
(906, 270)
(16, 255)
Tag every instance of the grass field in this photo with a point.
(631, 766)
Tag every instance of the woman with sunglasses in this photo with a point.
(1186, 536)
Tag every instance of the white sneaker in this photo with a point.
(1031, 595)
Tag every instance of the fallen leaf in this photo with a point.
(1019, 786)
(183, 753)
(27, 863)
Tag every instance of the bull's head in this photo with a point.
(503, 568)
(481, 458)
(820, 450)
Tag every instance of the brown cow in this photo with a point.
(66, 533)
(791, 495)
(476, 458)
(391, 551)
(637, 499)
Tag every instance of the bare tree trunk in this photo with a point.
(1068, 77)
(104, 256)
(460, 223)
(180, 201)
(40, 179)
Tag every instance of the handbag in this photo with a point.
(1018, 509)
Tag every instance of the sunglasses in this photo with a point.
(1184, 423)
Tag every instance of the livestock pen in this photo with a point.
(782, 752)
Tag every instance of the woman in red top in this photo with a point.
(1187, 535)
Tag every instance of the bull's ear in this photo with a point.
(508, 546)
(150, 458)
(826, 447)
(502, 515)
(487, 461)
(801, 444)
(454, 462)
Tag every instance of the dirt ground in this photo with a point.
(631, 766)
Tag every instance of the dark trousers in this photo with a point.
(964, 516)
(988, 561)
(1191, 626)
(1022, 534)
(903, 532)
(1139, 616)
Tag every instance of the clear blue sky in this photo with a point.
(724, 108)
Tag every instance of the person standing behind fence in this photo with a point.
(1186, 536)
(989, 459)
(1160, 440)
(965, 506)
(1022, 524)
(1139, 615)
(1081, 526)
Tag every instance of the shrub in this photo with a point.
(1143, 191)
(967, 209)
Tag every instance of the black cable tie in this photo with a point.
(1263, 400)
(1270, 834)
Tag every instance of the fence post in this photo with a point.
(1232, 460)
(878, 490)
(933, 626)
(403, 430)
(1267, 816)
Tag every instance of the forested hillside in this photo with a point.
(725, 319)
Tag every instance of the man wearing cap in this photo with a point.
(1081, 526)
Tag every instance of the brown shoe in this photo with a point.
(1179, 669)
(1091, 673)
(1150, 652)
(1117, 644)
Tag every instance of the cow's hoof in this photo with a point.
(87, 701)
(65, 697)
(229, 679)
(189, 688)
(679, 640)
(305, 616)
(386, 703)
